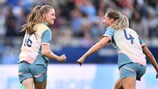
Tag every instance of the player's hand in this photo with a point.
(157, 75)
(80, 61)
(63, 58)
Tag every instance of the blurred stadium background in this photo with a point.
(77, 27)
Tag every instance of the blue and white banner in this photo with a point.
(72, 76)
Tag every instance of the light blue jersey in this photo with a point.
(32, 63)
(32, 45)
(128, 45)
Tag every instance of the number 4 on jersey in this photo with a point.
(129, 37)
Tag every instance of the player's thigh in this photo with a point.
(40, 85)
(128, 75)
(129, 83)
(28, 83)
(118, 84)
(23, 71)
(39, 72)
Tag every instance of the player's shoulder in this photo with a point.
(132, 31)
(110, 28)
(42, 26)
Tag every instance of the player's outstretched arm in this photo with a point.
(93, 49)
(152, 59)
(48, 53)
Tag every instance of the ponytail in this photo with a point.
(35, 17)
(29, 26)
(121, 23)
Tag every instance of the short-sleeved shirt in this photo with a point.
(32, 45)
(128, 45)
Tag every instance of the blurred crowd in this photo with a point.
(78, 22)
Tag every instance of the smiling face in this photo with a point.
(50, 16)
(108, 21)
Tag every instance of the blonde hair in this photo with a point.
(36, 16)
(121, 21)
(31, 21)
(43, 10)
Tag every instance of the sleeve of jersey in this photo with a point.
(109, 32)
(141, 41)
(46, 37)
